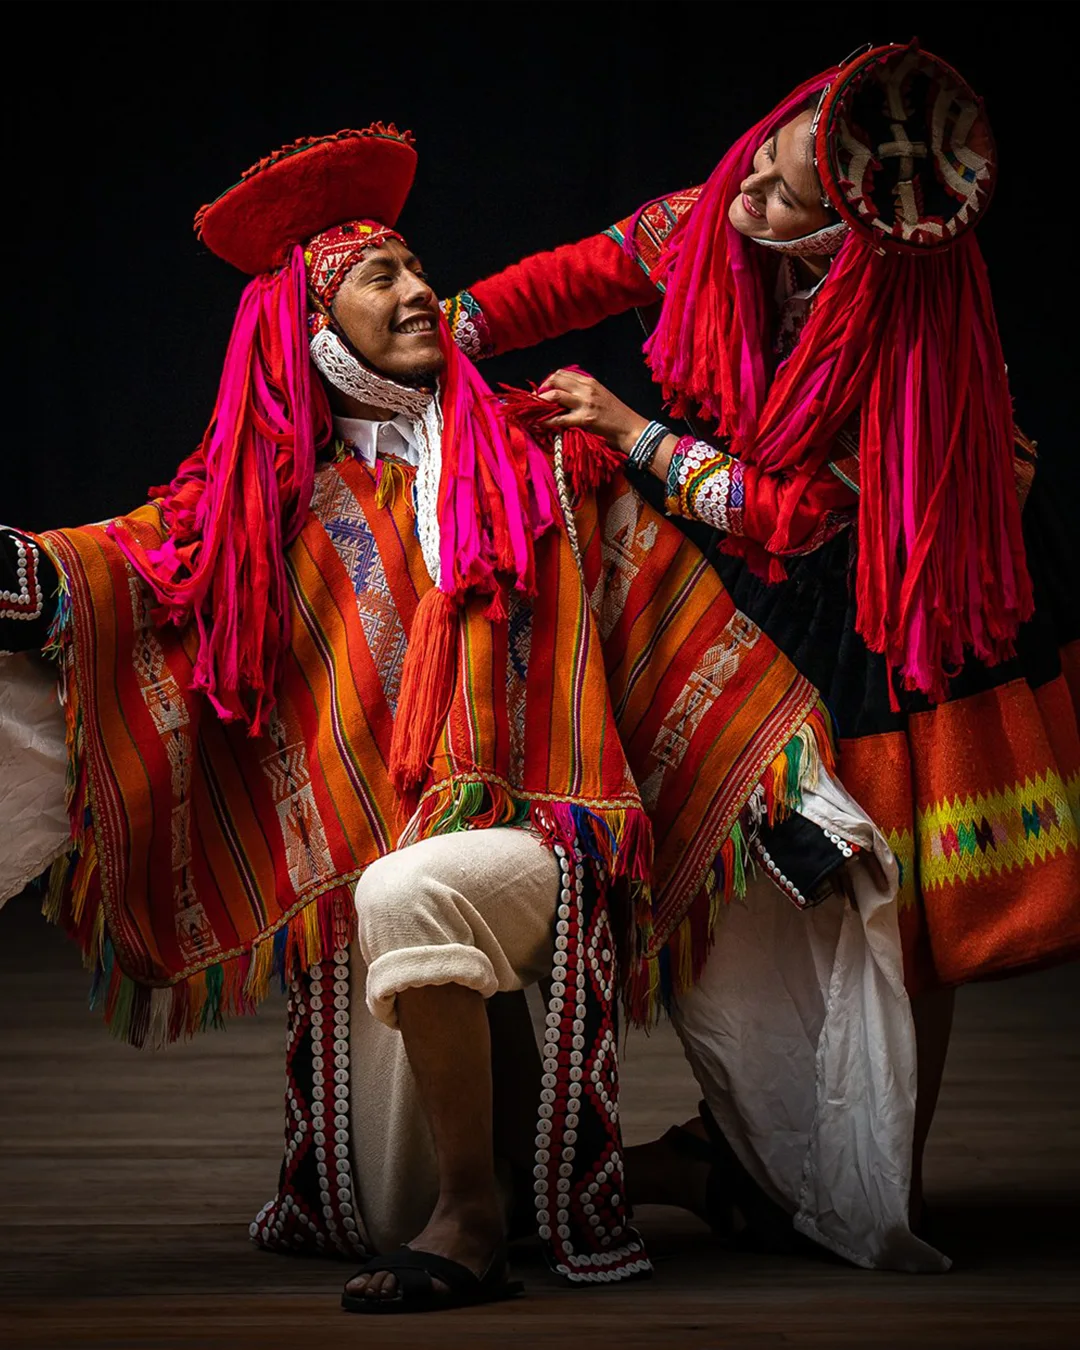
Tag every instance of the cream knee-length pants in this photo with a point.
(475, 908)
(798, 1031)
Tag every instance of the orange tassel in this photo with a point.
(427, 686)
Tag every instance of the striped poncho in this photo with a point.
(627, 711)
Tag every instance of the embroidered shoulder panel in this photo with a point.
(652, 227)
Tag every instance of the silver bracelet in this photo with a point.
(647, 444)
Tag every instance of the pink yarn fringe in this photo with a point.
(496, 491)
(240, 500)
(911, 343)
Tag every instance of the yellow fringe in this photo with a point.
(257, 984)
(312, 937)
(392, 480)
(85, 869)
(53, 903)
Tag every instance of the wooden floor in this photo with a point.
(128, 1180)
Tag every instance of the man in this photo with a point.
(435, 668)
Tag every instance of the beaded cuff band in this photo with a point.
(647, 444)
(20, 566)
(673, 487)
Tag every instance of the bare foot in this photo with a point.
(658, 1173)
(468, 1233)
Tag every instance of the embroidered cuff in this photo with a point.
(29, 582)
(468, 327)
(707, 485)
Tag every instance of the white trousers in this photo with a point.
(475, 908)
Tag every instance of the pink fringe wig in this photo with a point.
(908, 342)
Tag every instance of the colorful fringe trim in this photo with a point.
(615, 835)
(658, 976)
(155, 1015)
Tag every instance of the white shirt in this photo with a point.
(369, 440)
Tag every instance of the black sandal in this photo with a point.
(416, 1272)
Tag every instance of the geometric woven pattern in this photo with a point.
(580, 1188)
(331, 255)
(652, 227)
(344, 521)
(314, 1212)
(904, 150)
(710, 486)
(976, 836)
(903, 849)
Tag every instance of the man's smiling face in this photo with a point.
(390, 315)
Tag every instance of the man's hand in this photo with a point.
(589, 405)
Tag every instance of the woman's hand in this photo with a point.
(589, 405)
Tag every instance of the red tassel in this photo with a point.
(587, 459)
(427, 686)
(496, 611)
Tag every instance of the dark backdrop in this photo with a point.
(535, 124)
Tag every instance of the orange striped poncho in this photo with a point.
(627, 710)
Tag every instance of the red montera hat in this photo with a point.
(904, 149)
(305, 188)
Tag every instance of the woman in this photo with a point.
(827, 331)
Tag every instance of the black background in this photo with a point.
(535, 124)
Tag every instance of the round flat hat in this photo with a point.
(305, 188)
(904, 149)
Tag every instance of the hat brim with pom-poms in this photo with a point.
(305, 188)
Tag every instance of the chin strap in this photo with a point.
(337, 364)
(823, 243)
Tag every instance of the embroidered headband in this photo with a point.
(329, 257)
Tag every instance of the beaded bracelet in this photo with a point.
(647, 444)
